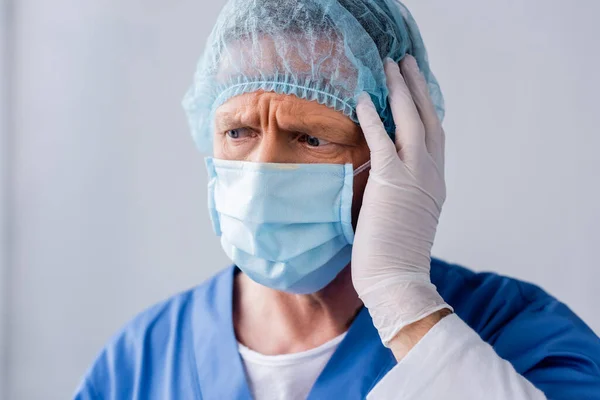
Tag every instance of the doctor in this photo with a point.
(326, 185)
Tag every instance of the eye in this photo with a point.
(312, 141)
(237, 133)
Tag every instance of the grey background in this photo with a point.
(102, 194)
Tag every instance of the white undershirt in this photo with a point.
(450, 362)
(286, 376)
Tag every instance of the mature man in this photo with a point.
(326, 186)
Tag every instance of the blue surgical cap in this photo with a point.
(328, 51)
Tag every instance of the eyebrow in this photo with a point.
(325, 131)
(232, 119)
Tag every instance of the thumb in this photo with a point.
(381, 145)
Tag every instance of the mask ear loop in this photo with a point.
(362, 168)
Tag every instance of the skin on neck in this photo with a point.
(269, 127)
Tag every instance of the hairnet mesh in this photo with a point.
(327, 51)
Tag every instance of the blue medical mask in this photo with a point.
(287, 226)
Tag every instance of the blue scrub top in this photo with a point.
(185, 347)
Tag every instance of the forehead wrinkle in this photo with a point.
(236, 111)
(267, 107)
(277, 112)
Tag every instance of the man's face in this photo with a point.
(274, 128)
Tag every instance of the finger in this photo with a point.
(410, 132)
(434, 140)
(381, 146)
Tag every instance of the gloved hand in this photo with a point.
(401, 205)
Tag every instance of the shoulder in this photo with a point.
(488, 301)
(538, 334)
(477, 296)
(155, 342)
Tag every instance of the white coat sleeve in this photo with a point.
(452, 362)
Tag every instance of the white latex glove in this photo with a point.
(401, 206)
